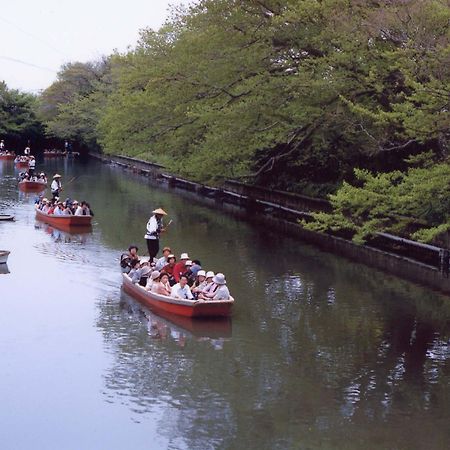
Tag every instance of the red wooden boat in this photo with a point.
(32, 186)
(187, 308)
(21, 163)
(64, 222)
(7, 156)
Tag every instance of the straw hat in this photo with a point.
(57, 175)
(159, 211)
(219, 279)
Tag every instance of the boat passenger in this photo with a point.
(188, 273)
(182, 290)
(79, 210)
(67, 211)
(209, 284)
(152, 280)
(2, 145)
(200, 283)
(196, 266)
(146, 272)
(168, 268)
(222, 292)
(180, 267)
(128, 259)
(162, 286)
(135, 273)
(161, 262)
(58, 211)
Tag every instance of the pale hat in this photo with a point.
(159, 211)
(219, 279)
(57, 175)
(209, 274)
(184, 256)
(155, 274)
(145, 271)
(201, 273)
(188, 263)
(171, 256)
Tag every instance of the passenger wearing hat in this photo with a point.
(56, 187)
(127, 260)
(199, 284)
(180, 267)
(219, 290)
(154, 229)
(152, 279)
(161, 262)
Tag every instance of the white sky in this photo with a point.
(49, 33)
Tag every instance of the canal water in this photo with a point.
(321, 353)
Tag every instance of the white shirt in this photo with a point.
(79, 211)
(179, 292)
(152, 227)
(55, 185)
(32, 163)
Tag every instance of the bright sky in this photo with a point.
(45, 34)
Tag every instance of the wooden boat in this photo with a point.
(32, 186)
(6, 217)
(7, 156)
(64, 222)
(187, 308)
(23, 164)
(4, 256)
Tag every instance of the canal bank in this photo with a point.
(420, 263)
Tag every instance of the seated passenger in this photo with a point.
(200, 283)
(135, 272)
(196, 266)
(168, 268)
(188, 273)
(152, 280)
(161, 262)
(146, 270)
(66, 211)
(180, 268)
(181, 289)
(162, 287)
(58, 211)
(222, 292)
(128, 259)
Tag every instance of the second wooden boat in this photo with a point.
(8, 156)
(187, 308)
(63, 221)
(32, 186)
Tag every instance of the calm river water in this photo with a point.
(320, 353)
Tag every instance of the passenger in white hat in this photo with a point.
(199, 284)
(180, 267)
(154, 229)
(152, 279)
(221, 292)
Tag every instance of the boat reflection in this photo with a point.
(4, 269)
(66, 235)
(178, 328)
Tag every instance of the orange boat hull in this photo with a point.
(22, 164)
(68, 223)
(192, 308)
(8, 157)
(32, 186)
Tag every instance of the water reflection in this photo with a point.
(4, 269)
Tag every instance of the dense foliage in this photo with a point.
(288, 94)
(18, 122)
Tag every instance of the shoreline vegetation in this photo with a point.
(346, 100)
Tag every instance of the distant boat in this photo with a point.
(64, 222)
(6, 217)
(7, 156)
(4, 256)
(32, 186)
(54, 154)
(21, 161)
(181, 307)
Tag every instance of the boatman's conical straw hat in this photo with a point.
(57, 175)
(159, 211)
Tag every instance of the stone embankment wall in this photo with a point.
(420, 263)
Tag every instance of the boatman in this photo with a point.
(2, 145)
(31, 166)
(154, 229)
(27, 151)
(56, 186)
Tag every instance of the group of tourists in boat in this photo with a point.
(5, 154)
(68, 207)
(182, 279)
(31, 176)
